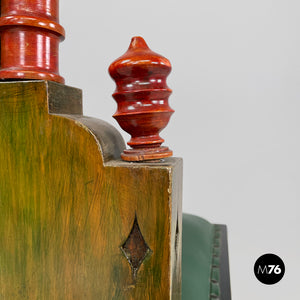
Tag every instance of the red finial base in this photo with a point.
(142, 96)
(146, 154)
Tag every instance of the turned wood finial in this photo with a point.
(142, 97)
(30, 36)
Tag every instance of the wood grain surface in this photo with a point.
(68, 204)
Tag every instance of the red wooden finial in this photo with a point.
(142, 97)
(30, 36)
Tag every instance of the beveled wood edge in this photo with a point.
(108, 139)
(63, 99)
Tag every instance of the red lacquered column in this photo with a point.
(30, 36)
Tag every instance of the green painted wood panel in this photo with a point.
(67, 204)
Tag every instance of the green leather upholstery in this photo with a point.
(205, 269)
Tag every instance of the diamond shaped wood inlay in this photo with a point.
(135, 248)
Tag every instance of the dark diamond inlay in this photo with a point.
(135, 248)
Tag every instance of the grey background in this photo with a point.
(236, 92)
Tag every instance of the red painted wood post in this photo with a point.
(142, 97)
(30, 36)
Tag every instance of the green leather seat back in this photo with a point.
(196, 257)
(205, 268)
